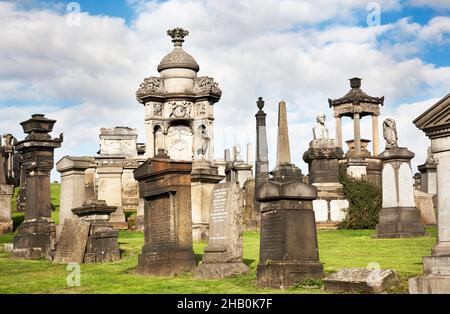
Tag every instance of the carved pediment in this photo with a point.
(435, 122)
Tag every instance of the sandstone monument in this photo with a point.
(36, 235)
(165, 186)
(288, 246)
(435, 123)
(223, 255)
(179, 118)
(356, 104)
(399, 216)
(323, 160)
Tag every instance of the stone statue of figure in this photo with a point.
(202, 141)
(237, 152)
(430, 157)
(390, 133)
(320, 131)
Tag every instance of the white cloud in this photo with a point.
(435, 4)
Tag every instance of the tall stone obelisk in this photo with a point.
(288, 246)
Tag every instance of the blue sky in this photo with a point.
(297, 50)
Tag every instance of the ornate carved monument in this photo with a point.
(323, 160)
(435, 123)
(36, 235)
(179, 119)
(357, 104)
(288, 248)
(399, 217)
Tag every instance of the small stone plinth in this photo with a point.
(399, 217)
(361, 280)
(323, 158)
(89, 237)
(165, 186)
(35, 239)
(223, 256)
(436, 279)
(288, 247)
(102, 244)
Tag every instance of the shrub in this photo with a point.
(365, 201)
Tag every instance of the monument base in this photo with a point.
(35, 239)
(102, 245)
(165, 263)
(436, 279)
(400, 222)
(282, 275)
(6, 227)
(200, 232)
(120, 225)
(220, 270)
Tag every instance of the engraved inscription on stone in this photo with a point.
(162, 221)
(271, 238)
(72, 243)
(218, 220)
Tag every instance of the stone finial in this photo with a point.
(283, 149)
(177, 35)
(260, 103)
(355, 82)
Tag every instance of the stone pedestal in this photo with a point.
(252, 211)
(428, 178)
(204, 176)
(140, 215)
(223, 256)
(102, 244)
(288, 249)
(72, 185)
(399, 217)
(323, 160)
(374, 171)
(110, 190)
(165, 186)
(6, 193)
(36, 235)
(357, 168)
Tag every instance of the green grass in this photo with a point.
(338, 249)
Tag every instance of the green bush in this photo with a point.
(365, 201)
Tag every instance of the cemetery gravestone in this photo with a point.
(72, 243)
(223, 256)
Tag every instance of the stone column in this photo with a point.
(283, 149)
(375, 135)
(357, 133)
(150, 145)
(250, 158)
(338, 131)
(36, 235)
(262, 153)
(110, 190)
(90, 192)
(72, 185)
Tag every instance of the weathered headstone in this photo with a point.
(223, 255)
(424, 202)
(165, 186)
(72, 242)
(288, 247)
(36, 235)
(399, 217)
(252, 213)
(361, 280)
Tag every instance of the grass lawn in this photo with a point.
(337, 249)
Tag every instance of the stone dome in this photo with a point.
(178, 58)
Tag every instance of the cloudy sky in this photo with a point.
(83, 70)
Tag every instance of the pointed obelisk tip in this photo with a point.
(283, 149)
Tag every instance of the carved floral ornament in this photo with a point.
(180, 110)
(206, 85)
(151, 85)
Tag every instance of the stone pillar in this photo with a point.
(357, 133)
(250, 158)
(204, 176)
(375, 135)
(288, 244)
(399, 217)
(338, 131)
(72, 185)
(6, 193)
(36, 235)
(110, 190)
(90, 192)
(262, 153)
(165, 186)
